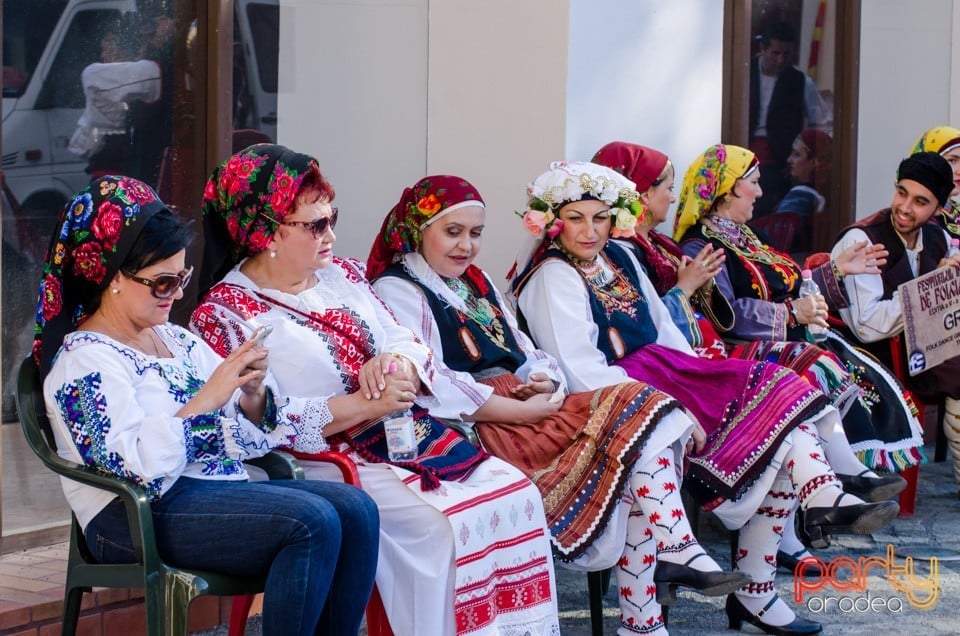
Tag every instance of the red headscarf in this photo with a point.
(429, 199)
(640, 164)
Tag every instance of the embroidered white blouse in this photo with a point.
(306, 362)
(556, 306)
(112, 407)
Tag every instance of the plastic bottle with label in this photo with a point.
(401, 436)
(954, 247)
(809, 288)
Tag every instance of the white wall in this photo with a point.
(905, 87)
(647, 72)
(353, 93)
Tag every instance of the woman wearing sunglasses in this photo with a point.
(453, 518)
(130, 394)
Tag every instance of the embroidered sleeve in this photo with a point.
(292, 418)
(828, 279)
(683, 316)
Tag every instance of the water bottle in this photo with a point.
(401, 436)
(954, 247)
(809, 288)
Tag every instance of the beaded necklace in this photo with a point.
(480, 310)
(608, 284)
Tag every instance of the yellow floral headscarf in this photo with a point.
(939, 140)
(710, 176)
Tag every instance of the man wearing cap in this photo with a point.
(917, 245)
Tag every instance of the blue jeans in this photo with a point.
(316, 541)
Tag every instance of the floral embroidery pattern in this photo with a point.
(84, 409)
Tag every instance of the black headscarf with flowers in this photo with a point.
(244, 198)
(94, 235)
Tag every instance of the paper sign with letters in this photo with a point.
(931, 318)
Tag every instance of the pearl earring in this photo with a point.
(273, 253)
(115, 290)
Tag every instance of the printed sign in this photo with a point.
(931, 318)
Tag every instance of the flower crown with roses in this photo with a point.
(569, 181)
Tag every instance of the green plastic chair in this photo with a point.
(168, 591)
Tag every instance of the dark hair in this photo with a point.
(777, 31)
(162, 237)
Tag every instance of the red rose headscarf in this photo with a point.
(244, 198)
(427, 201)
(94, 235)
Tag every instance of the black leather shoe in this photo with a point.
(819, 523)
(737, 613)
(789, 562)
(879, 488)
(669, 576)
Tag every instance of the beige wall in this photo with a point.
(384, 93)
(497, 105)
(353, 92)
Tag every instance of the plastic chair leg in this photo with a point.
(597, 584)
(377, 623)
(908, 498)
(71, 610)
(239, 611)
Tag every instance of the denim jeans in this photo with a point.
(315, 540)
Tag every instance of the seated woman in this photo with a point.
(135, 396)
(588, 303)
(762, 286)
(452, 518)
(687, 288)
(605, 461)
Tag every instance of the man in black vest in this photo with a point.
(917, 245)
(783, 101)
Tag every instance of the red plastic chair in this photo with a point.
(377, 623)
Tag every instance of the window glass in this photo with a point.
(791, 120)
(106, 87)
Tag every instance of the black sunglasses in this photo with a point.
(317, 227)
(165, 285)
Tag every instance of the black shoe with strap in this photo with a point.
(737, 614)
(669, 576)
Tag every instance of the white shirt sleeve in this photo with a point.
(869, 316)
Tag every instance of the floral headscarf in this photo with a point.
(940, 139)
(567, 182)
(640, 164)
(427, 201)
(709, 177)
(244, 198)
(94, 234)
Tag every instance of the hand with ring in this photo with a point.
(693, 273)
(811, 310)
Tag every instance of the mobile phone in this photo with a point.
(261, 334)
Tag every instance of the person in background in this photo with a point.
(587, 301)
(945, 141)
(783, 101)
(917, 246)
(464, 544)
(132, 395)
(606, 461)
(809, 167)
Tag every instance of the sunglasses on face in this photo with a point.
(165, 285)
(317, 227)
